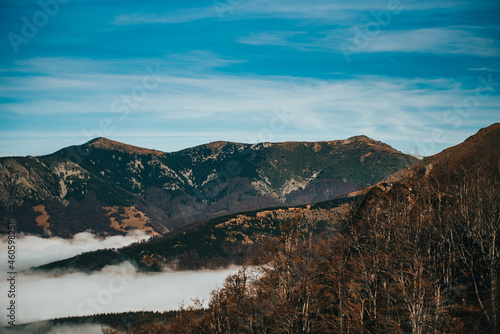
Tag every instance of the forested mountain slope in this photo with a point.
(109, 187)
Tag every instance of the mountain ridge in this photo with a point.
(218, 242)
(105, 143)
(133, 187)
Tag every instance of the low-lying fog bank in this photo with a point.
(119, 288)
(35, 251)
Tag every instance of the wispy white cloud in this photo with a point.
(274, 38)
(209, 95)
(178, 16)
(241, 9)
(430, 40)
(434, 40)
(322, 109)
(319, 10)
(324, 8)
(65, 66)
(485, 69)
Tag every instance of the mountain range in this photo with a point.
(109, 187)
(235, 238)
(417, 252)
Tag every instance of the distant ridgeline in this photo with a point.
(109, 187)
(218, 242)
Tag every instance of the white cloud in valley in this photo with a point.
(36, 251)
(118, 288)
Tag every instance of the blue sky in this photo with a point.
(418, 75)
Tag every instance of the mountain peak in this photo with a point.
(362, 139)
(98, 141)
(108, 144)
(487, 132)
(484, 143)
(217, 144)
